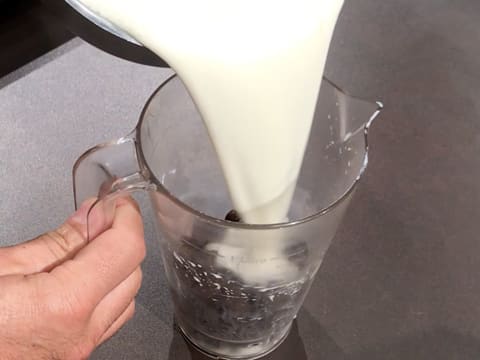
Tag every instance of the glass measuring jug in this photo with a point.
(169, 154)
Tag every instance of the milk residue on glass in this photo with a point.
(254, 69)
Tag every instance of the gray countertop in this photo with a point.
(402, 277)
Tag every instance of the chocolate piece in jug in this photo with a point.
(233, 216)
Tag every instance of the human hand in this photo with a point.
(61, 296)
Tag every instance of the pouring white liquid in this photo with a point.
(254, 68)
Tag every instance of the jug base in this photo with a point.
(236, 354)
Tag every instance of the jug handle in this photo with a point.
(104, 173)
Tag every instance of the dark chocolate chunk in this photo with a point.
(233, 216)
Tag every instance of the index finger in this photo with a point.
(107, 260)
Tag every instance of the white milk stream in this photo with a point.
(254, 69)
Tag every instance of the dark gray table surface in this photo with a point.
(402, 277)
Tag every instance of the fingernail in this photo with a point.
(80, 216)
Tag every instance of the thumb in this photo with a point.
(50, 249)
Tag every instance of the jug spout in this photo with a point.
(352, 113)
